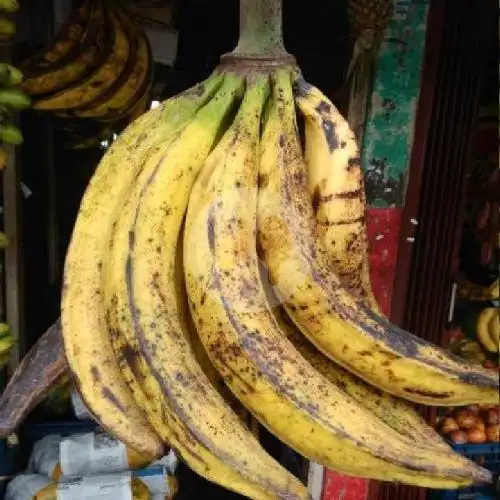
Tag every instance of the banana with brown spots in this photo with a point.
(257, 361)
(341, 325)
(145, 307)
(85, 333)
(336, 184)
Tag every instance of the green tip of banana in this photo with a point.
(14, 99)
(10, 76)
(4, 243)
(9, 6)
(7, 28)
(10, 134)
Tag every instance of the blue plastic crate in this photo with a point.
(487, 456)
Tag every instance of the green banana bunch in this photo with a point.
(215, 179)
(12, 99)
(7, 26)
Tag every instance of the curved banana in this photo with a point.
(337, 188)
(488, 328)
(129, 90)
(494, 330)
(94, 46)
(86, 342)
(181, 403)
(86, 91)
(258, 363)
(339, 324)
(395, 412)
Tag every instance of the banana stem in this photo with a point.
(261, 34)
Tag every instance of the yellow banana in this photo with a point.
(237, 327)
(164, 374)
(339, 324)
(395, 412)
(91, 48)
(86, 342)
(89, 89)
(494, 329)
(111, 107)
(337, 188)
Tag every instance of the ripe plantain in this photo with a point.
(208, 435)
(342, 326)
(84, 92)
(86, 342)
(259, 364)
(337, 188)
(129, 90)
(396, 413)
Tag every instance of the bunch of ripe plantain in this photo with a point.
(95, 75)
(213, 243)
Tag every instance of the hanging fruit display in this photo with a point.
(212, 249)
(95, 75)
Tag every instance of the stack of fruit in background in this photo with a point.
(475, 424)
(12, 100)
(95, 76)
(474, 333)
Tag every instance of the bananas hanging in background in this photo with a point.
(12, 99)
(197, 236)
(488, 328)
(96, 74)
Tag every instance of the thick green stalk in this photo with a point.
(261, 34)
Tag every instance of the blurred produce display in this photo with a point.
(95, 75)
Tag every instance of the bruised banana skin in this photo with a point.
(337, 189)
(86, 342)
(99, 81)
(339, 324)
(134, 366)
(338, 195)
(258, 363)
(205, 431)
(395, 412)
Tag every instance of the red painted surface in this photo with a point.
(383, 236)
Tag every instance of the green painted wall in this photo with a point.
(388, 136)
